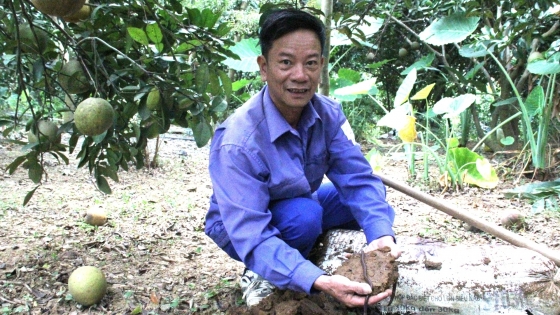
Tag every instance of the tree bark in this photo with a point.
(327, 8)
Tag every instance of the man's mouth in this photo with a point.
(298, 90)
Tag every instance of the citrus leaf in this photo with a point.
(102, 184)
(138, 35)
(15, 163)
(29, 195)
(202, 133)
(154, 33)
(202, 78)
(35, 172)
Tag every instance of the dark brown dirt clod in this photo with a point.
(382, 269)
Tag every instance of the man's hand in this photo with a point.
(384, 241)
(350, 293)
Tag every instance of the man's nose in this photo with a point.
(298, 73)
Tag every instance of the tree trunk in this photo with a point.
(326, 7)
(458, 278)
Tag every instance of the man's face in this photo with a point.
(292, 70)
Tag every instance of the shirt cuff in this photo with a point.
(377, 230)
(304, 277)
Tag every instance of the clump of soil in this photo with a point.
(381, 267)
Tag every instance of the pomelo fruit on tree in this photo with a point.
(87, 285)
(93, 116)
(33, 41)
(72, 77)
(154, 99)
(80, 15)
(534, 56)
(58, 7)
(46, 130)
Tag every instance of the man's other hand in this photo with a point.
(350, 293)
(384, 241)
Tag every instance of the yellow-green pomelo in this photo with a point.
(46, 129)
(87, 285)
(33, 40)
(58, 7)
(72, 77)
(154, 99)
(80, 15)
(93, 116)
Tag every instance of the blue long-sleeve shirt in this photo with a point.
(257, 157)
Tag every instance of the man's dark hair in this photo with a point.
(278, 23)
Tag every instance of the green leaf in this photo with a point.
(239, 84)
(463, 162)
(453, 106)
(11, 168)
(535, 101)
(219, 104)
(248, 51)
(476, 49)
(350, 74)
(451, 29)
(544, 67)
(422, 64)
(405, 88)
(509, 140)
(154, 33)
(360, 88)
(35, 172)
(138, 35)
(29, 195)
(226, 83)
(202, 78)
(202, 133)
(102, 184)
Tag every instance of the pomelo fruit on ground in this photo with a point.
(80, 15)
(87, 285)
(93, 116)
(46, 129)
(154, 99)
(72, 77)
(58, 7)
(33, 41)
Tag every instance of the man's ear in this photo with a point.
(261, 61)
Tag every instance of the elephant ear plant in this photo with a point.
(458, 165)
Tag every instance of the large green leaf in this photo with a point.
(423, 63)
(360, 88)
(248, 51)
(465, 162)
(543, 67)
(405, 88)
(450, 29)
(453, 106)
(202, 133)
(535, 101)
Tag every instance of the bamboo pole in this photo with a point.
(480, 224)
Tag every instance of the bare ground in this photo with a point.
(153, 250)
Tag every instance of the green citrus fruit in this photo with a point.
(87, 285)
(33, 41)
(46, 130)
(414, 45)
(72, 77)
(154, 99)
(93, 116)
(403, 52)
(58, 7)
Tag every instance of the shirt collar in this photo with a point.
(277, 124)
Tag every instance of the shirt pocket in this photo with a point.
(316, 166)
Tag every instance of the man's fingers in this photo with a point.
(381, 296)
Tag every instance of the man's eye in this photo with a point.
(312, 63)
(285, 62)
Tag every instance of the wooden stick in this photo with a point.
(480, 224)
